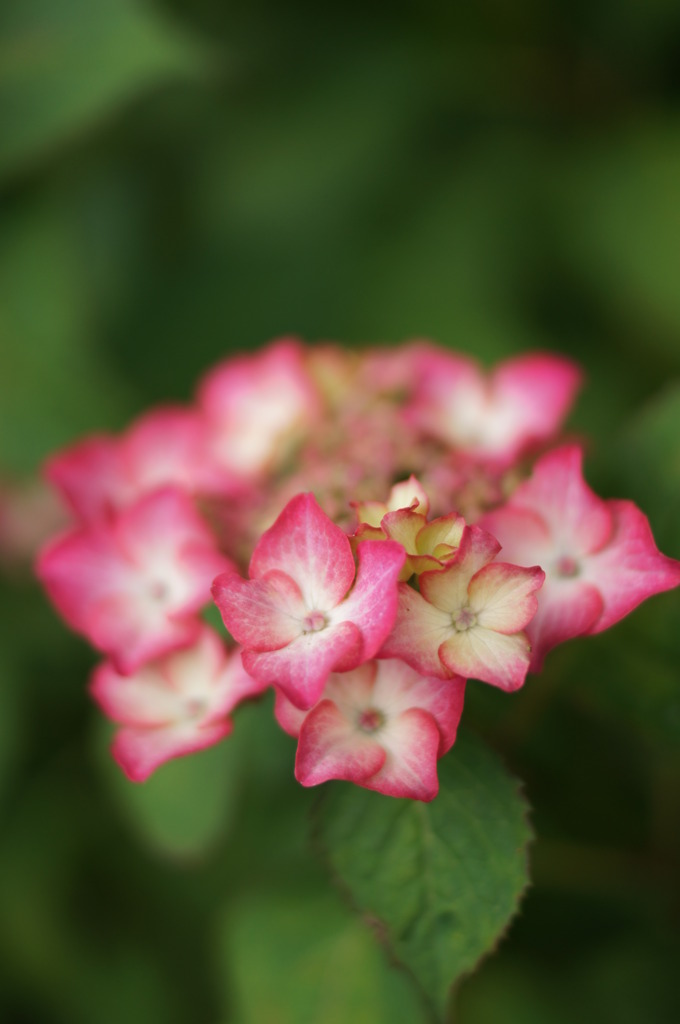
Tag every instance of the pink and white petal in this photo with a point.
(309, 547)
(541, 388)
(168, 445)
(580, 523)
(90, 476)
(162, 521)
(411, 743)
(139, 752)
(446, 589)
(289, 717)
(132, 631)
(409, 494)
(523, 534)
(352, 692)
(566, 608)
(503, 596)
(255, 404)
(494, 658)
(399, 687)
(302, 668)
(418, 633)
(372, 603)
(262, 614)
(78, 569)
(630, 568)
(330, 747)
(144, 699)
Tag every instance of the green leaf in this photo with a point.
(442, 880)
(186, 806)
(301, 957)
(65, 65)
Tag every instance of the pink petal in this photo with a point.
(169, 445)
(89, 476)
(566, 608)
(133, 582)
(630, 568)
(541, 388)
(494, 658)
(580, 523)
(372, 603)
(302, 668)
(263, 614)
(140, 751)
(411, 742)
(256, 405)
(418, 633)
(289, 717)
(503, 596)
(330, 748)
(311, 549)
(399, 687)
(523, 535)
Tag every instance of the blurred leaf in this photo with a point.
(54, 382)
(63, 66)
(302, 958)
(187, 805)
(442, 879)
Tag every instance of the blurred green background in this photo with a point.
(180, 180)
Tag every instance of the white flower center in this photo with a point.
(463, 619)
(313, 622)
(566, 567)
(370, 720)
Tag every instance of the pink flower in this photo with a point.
(167, 446)
(132, 583)
(257, 407)
(468, 617)
(173, 706)
(381, 726)
(494, 417)
(296, 616)
(599, 557)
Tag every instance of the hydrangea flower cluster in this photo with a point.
(375, 529)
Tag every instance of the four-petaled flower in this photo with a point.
(469, 617)
(134, 581)
(599, 556)
(173, 706)
(382, 726)
(493, 417)
(296, 617)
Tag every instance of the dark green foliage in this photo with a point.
(180, 180)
